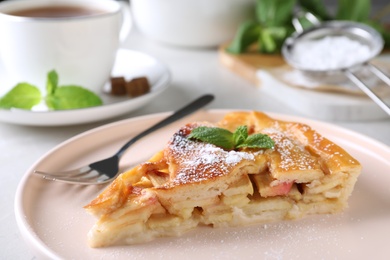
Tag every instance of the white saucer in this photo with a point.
(129, 64)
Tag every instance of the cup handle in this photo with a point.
(127, 21)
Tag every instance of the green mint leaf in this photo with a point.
(52, 82)
(23, 96)
(359, 11)
(317, 8)
(274, 12)
(268, 40)
(240, 135)
(259, 141)
(72, 97)
(272, 27)
(272, 38)
(227, 140)
(305, 23)
(267, 43)
(247, 34)
(218, 136)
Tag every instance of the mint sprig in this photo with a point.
(23, 96)
(227, 140)
(68, 97)
(26, 96)
(218, 136)
(268, 31)
(51, 82)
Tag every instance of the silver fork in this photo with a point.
(105, 170)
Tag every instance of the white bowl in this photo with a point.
(188, 23)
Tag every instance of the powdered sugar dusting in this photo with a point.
(198, 161)
(293, 155)
(234, 157)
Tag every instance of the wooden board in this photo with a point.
(247, 64)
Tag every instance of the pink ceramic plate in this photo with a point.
(53, 223)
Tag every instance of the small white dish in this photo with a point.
(129, 64)
(52, 220)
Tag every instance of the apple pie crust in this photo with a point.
(191, 183)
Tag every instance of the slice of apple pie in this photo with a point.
(192, 182)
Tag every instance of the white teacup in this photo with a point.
(79, 42)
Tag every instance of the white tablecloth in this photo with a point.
(194, 71)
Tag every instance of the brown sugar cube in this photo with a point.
(118, 86)
(137, 86)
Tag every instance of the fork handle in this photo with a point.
(188, 109)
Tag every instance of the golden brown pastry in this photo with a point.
(192, 183)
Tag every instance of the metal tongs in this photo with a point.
(357, 31)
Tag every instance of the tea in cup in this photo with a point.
(76, 38)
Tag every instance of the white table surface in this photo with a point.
(194, 71)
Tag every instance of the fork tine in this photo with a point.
(76, 172)
(80, 176)
(72, 175)
(89, 180)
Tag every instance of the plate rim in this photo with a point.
(35, 243)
